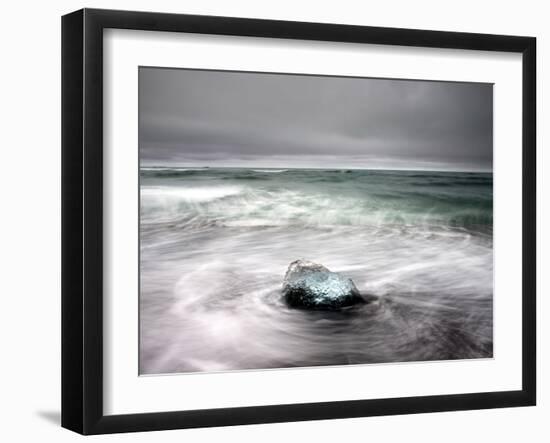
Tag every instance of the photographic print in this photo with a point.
(294, 220)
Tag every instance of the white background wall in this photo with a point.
(30, 218)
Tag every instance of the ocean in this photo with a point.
(215, 244)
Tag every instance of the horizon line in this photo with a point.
(316, 168)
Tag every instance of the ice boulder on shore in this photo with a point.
(310, 285)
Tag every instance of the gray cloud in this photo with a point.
(190, 117)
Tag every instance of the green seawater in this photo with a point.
(320, 197)
(215, 244)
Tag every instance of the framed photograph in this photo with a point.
(269, 221)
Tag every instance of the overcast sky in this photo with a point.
(217, 118)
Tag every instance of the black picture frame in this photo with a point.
(82, 220)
